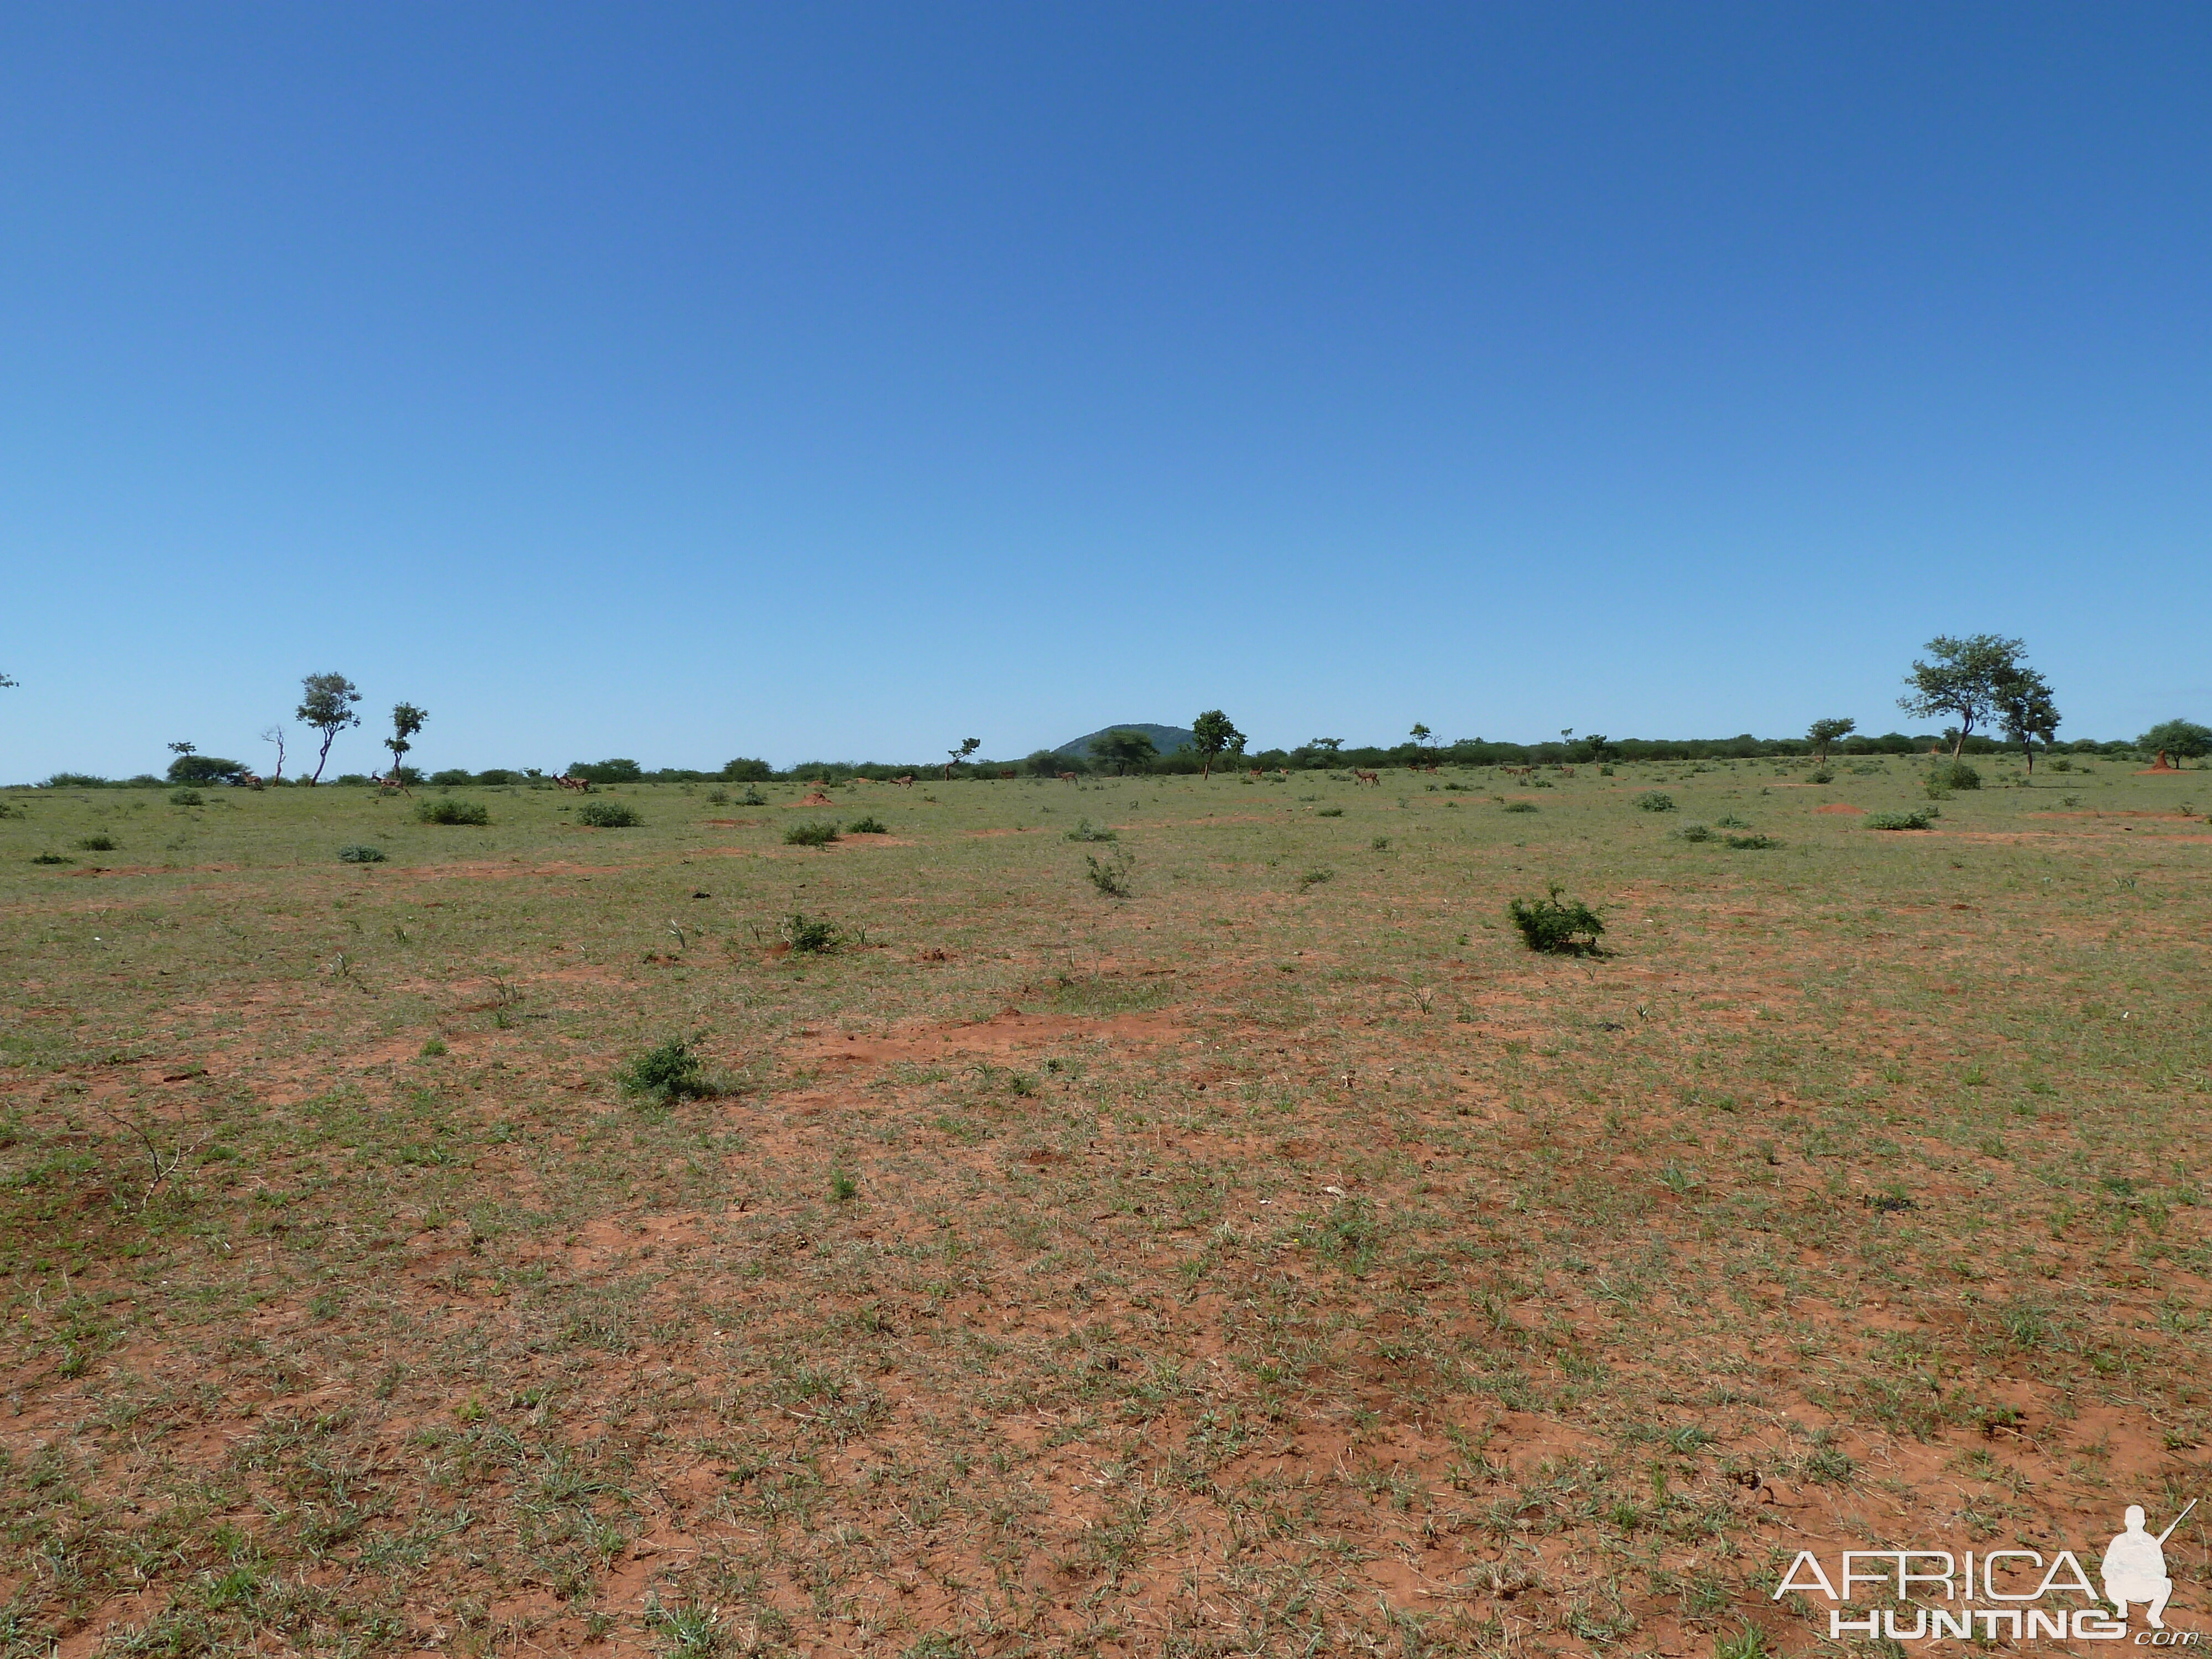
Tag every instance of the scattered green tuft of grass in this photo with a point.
(669, 1072)
(870, 825)
(1654, 800)
(361, 853)
(811, 834)
(1919, 818)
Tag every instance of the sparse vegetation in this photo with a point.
(669, 1072)
(1654, 800)
(868, 825)
(1567, 927)
(810, 936)
(446, 810)
(186, 798)
(361, 853)
(1920, 819)
(608, 815)
(812, 835)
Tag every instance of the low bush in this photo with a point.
(1693, 832)
(1654, 800)
(1920, 819)
(1330, 813)
(608, 815)
(1519, 806)
(51, 858)
(453, 812)
(752, 797)
(100, 843)
(1945, 776)
(1111, 880)
(667, 1073)
(811, 834)
(1753, 843)
(1315, 877)
(810, 935)
(360, 853)
(186, 798)
(1568, 928)
(452, 776)
(870, 825)
(1730, 821)
(1823, 776)
(1084, 831)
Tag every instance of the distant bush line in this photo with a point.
(1044, 764)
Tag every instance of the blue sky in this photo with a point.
(839, 381)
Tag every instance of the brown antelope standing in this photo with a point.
(582, 786)
(906, 782)
(1067, 777)
(1360, 777)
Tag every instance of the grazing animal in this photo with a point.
(906, 782)
(1359, 777)
(1010, 773)
(395, 784)
(1257, 773)
(1067, 777)
(249, 780)
(582, 786)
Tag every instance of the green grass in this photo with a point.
(997, 1295)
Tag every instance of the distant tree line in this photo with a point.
(1981, 681)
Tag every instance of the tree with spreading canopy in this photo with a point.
(1824, 732)
(406, 721)
(2181, 739)
(2021, 699)
(1212, 736)
(968, 746)
(1421, 734)
(1962, 681)
(326, 706)
(1125, 750)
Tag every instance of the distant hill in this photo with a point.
(1165, 739)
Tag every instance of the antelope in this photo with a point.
(392, 783)
(906, 782)
(1257, 773)
(1067, 777)
(582, 786)
(1359, 777)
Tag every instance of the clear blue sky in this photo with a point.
(839, 381)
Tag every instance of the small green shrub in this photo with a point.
(52, 858)
(1945, 776)
(1730, 821)
(1753, 843)
(1571, 928)
(718, 798)
(1693, 832)
(1315, 877)
(811, 834)
(1919, 819)
(843, 1188)
(361, 854)
(186, 798)
(1519, 806)
(752, 797)
(99, 843)
(1822, 775)
(1111, 880)
(433, 1048)
(870, 825)
(453, 812)
(1380, 844)
(810, 935)
(1654, 800)
(1330, 813)
(1083, 832)
(667, 1073)
(608, 815)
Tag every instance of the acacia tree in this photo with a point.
(406, 721)
(2021, 698)
(1421, 734)
(1963, 680)
(968, 746)
(1824, 732)
(1212, 735)
(2181, 739)
(326, 706)
(1125, 750)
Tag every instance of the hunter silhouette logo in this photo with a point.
(2017, 1594)
(2134, 1567)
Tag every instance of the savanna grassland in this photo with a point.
(1277, 1258)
